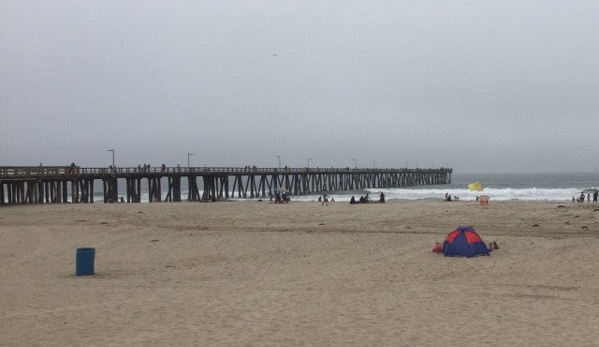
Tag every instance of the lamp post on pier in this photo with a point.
(113, 170)
(309, 162)
(188, 155)
(278, 156)
(112, 150)
(355, 163)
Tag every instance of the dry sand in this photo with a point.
(260, 274)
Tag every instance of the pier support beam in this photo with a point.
(133, 189)
(193, 193)
(154, 189)
(110, 190)
(174, 189)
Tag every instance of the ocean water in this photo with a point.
(498, 186)
(506, 187)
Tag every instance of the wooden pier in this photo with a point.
(73, 184)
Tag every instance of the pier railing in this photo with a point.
(12, 172)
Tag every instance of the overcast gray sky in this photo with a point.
(483, 86)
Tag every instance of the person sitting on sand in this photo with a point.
(352, 200)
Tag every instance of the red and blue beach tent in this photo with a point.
(464, 242)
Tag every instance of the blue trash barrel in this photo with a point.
(85, 261)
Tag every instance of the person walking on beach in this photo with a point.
(325, 199)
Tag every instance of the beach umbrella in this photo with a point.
(477, 186)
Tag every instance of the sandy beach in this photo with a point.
(298, 274)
